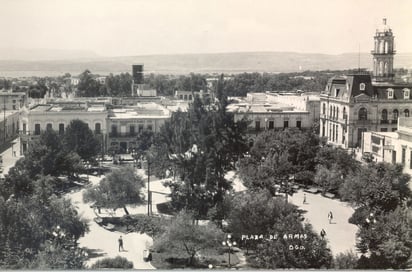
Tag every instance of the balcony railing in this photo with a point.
(384, 121)
(394, 121)
(122, 134)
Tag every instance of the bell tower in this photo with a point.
(383, 54)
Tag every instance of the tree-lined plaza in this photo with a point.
(207, 223)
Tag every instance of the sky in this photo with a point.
(144, 27)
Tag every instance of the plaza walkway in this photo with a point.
(341, 235)
(11, 155)
(104, 243)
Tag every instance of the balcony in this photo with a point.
(384, 121)
(122, 134)
(394, 121)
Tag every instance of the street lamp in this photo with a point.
(229, 243)
(87, 166)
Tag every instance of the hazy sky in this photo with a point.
(140, 27)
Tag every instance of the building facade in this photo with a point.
(266, 111)
(126, 123)
(57, 116)
(391, 147)
(356, 103)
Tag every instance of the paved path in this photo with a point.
(104, 242)
(11, 156)
(341, 235)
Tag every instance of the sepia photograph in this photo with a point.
(205, 135)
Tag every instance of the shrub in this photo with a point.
(118, 262)
(347, 260)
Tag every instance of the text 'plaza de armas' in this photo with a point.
(367, 112)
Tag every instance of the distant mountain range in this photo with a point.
(274, 62)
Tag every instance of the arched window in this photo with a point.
(344, 113)
(362, 86)
(384, 115)
(363, 114)
(395, 114)
(406, 113)
(334, 112)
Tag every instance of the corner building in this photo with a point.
(356, 103)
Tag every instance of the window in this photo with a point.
(330, 112)
(337, 92)
(384, 129)
(390, 93)
(132, 130)
(406, 93)
(257, 125)
(97, 128)
(114, 130)
(324, 108)
(61, 129)
(298, 124)
(185, 97)
(337, 113)
(24, 128)
(344, 113)
(384, 114)
(395, 114)
(37, 129)
(363, 114)
(403, 155)
(14, 107)
(394, 129)
(362, 86)
(406, 113)
(190, 97)
(410, 160)
(285, 124)
(49, 126)
(140, 128)
(337, 132)
(271, 124)
(149, 127)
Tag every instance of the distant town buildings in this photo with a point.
(356, 103)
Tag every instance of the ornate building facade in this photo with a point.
(353, 104)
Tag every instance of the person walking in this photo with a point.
(304, 198)
(121, 244)
(322, 234)
(330, 217)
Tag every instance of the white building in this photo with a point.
(276, 111)
(392, 147)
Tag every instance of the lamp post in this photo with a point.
(87, 166)
(229, 243)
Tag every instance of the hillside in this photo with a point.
(199, 63)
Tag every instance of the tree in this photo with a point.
(381, 193)
(88, 86)
(80, 139)
(259, 213)
(183, 238)
(119, 188)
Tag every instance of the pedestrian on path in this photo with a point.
(322, 234)
(330, 217)
(304, 198)
(121, 244)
